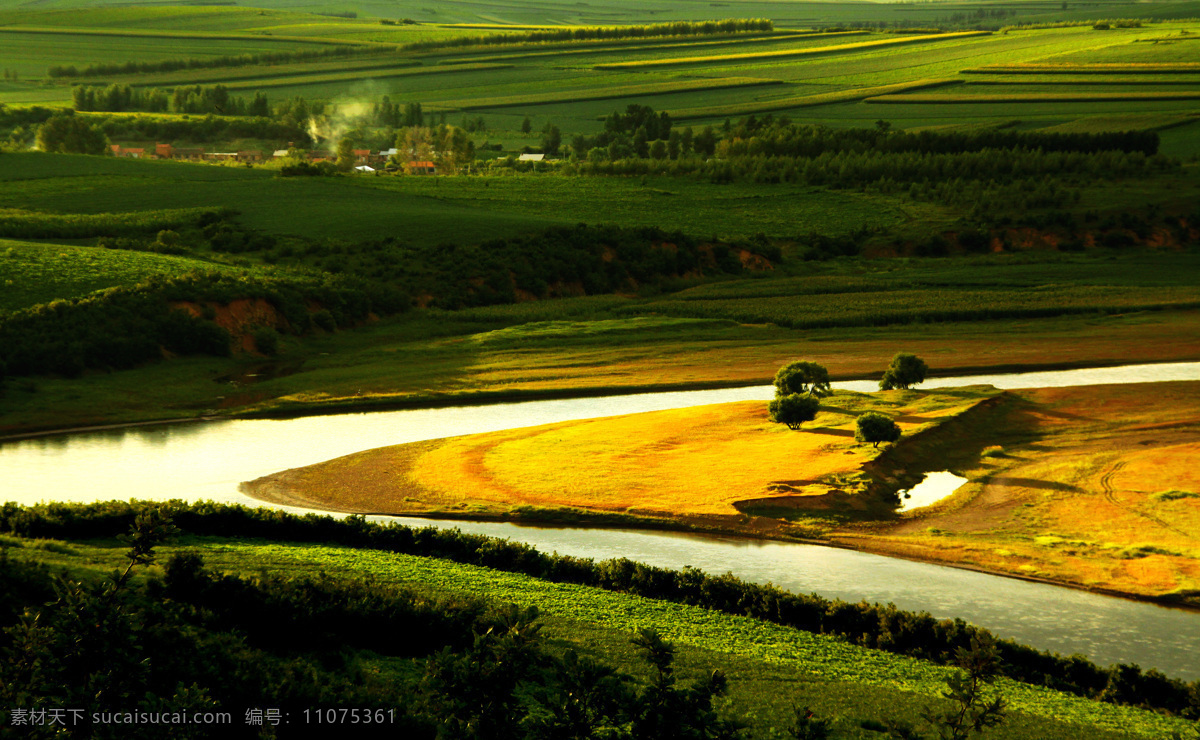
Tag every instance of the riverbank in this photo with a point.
(394, 365)
(1104, 501)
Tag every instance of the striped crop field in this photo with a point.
(359, 74)
(631, 45)
(1040, 97)
(226, 75)
(1136, 68)
(786, 53)
(803, 101)
(605, 93)
(134, 33)
(1156, 121)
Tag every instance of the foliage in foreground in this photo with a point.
(196, 641)
(870, 625)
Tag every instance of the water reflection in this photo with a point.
(933, 488)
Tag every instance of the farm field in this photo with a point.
(822, 78)
(769, 667)
(34, 273)
(432, 211)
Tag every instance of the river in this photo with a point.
(207, 460)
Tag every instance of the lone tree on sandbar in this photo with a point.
(905, 371)
(874, 427)
(803, 378)
(793, 410)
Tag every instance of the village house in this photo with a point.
(170, 151)
(130, 152)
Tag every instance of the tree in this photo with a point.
(905, 371)
(667, 711)
(972, 713)
(802, 377)
(69, 134)
(526, 125)
(875, 428)
(551, 139)
(345, 154)
(793, 410)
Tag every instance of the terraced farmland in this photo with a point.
(836, 79)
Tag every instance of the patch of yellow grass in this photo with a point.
(698, 461)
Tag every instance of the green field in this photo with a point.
(769, 667)
(435, 210)
(820, 77)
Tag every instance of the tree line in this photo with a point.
(127, 326)
(182, 99)
(239, 60)
(590, 33)
(882, 627)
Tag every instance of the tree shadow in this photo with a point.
(832, 432)
(1045, 485)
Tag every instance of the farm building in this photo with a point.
(131, 152)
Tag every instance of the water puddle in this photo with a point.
(933, 488)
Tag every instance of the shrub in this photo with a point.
(793, 410)
(874, 427)
(905, 371)
(802, 377)
(266, 341)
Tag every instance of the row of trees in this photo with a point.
(799, 386)
(183, 99)
(589, 33)
(240, 60)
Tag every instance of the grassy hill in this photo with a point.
(771, 668)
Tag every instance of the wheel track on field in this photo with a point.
(1109, 494)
